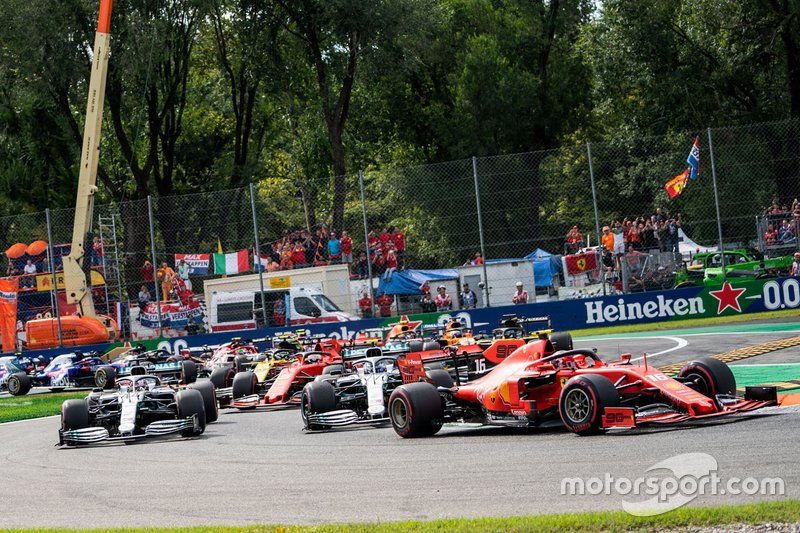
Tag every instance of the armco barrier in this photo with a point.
(738, 297)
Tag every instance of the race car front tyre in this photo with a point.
(440, 378)
(583, 401)
(18, 384)
(105, 377)
(318, 397)
(209, 393)
(416, 410)
(709, 377)
(244, 384)
(74, 414)
(562, 340)
(190, 403)
(188, 372)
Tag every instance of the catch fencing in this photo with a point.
(494, 221)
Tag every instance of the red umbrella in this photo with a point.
(17, 250)
(36, 248)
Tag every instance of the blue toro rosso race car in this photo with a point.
(64, 371)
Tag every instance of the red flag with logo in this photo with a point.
(8, 312)
(577, 263)
(675, 185)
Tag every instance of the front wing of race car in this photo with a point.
(755, 398)
(343, 417)
(96, 435)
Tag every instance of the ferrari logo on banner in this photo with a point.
(676, 185)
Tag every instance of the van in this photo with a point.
(283, 307)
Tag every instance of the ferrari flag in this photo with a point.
(694, 159)
(234, 263)
(675, 185)
(578, 263)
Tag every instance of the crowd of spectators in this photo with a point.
(782, 223)
(302, 248)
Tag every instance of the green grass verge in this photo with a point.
(690, 323)
(34, 406)
(758, 513)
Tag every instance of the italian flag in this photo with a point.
(234, 263)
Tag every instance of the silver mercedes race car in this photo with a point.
(140, 407)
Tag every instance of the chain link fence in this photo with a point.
(572, 222)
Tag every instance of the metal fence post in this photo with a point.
(716, 202)
(596, 215)
(480, 232)
(258, 251)
(52, 259)
(155, 262)
(366, 235)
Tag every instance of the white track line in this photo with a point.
(28, 420)
(679, 343)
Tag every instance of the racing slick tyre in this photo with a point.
(318, 397)
(416, 410)
(583, 401)
(222, 378)
(415, 346)
(244, 384)
(209, 393)
(562, 340)
(440, 378)
(434, 366)
(240, 363)
(74, 414)
(190, 403)
(18, 384)
(709, 377)
(333, 369)
(431, 345)
(105, 377)
(188, 372)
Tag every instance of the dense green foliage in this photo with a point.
(298, 96)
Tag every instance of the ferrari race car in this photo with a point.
(140, 407)
(538, 386)
(357, 397)
(64, 371)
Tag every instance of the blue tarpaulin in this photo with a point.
(545, 266)
(409, 281)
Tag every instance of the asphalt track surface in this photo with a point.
(261, 467)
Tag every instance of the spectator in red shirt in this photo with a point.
(347, 248)
(399, 240)
(365, 306)
(299, 256)
(384, 237)
(771, 235)
(148, 274)
(378, 262)
(373, 243)
(385, 304)
(478, 259)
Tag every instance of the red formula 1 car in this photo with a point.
(537, 386)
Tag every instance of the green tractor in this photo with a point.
(706, 268)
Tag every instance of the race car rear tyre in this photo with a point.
(209, 393)
(440, 378)
(105, 377)
(244, 384)
(318, 397)
(18, 384)
(583, 401)
(189, 403)
(222, 378)
(333, 369)
(188, 372)
(562, 340)
(240, 363)
(431, 345)
(416, 410)
(74, 414)
(709, 377)
(415, 346)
